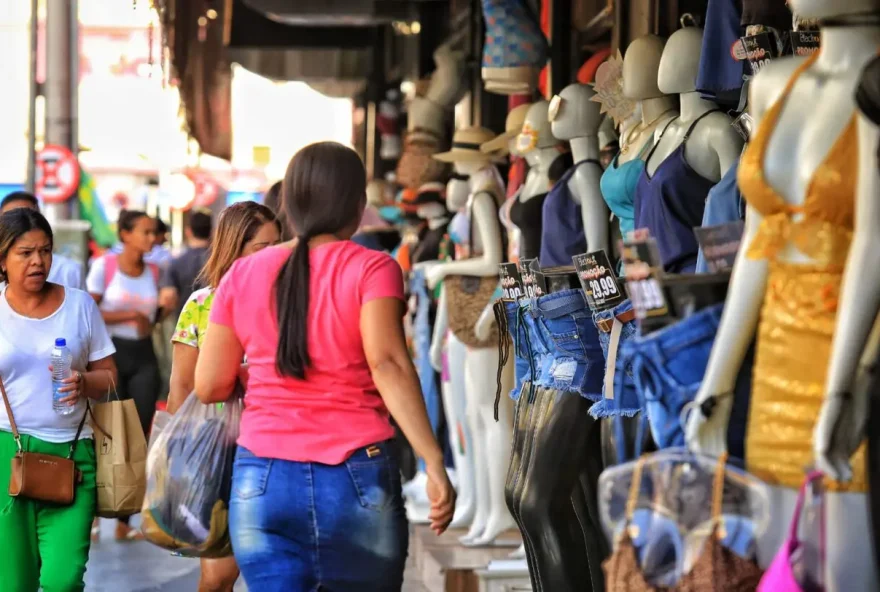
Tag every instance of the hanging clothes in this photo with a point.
(515, 49)
(724, 204)
(670, 205)
(720, 77)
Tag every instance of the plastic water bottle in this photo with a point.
(61, 360)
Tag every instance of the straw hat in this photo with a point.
(512, 127)
(466, 146)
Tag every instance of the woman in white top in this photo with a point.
(45, 546)
(126, 289)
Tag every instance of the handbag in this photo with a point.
(781, 576)
(42, 477)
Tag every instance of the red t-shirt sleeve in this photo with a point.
(224, 297)
(382, 278)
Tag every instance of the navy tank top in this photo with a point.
(670, 205)
(563, 235)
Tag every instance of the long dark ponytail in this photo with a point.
(324, 192)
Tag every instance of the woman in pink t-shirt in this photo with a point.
(316, 499)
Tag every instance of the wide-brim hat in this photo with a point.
(512, 127)
(466, 146)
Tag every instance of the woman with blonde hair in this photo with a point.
(243, 229)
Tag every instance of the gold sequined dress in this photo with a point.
(800, 304)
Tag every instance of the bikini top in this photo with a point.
(618, 186)
(528, 217)
(716, 568)
(824, 230)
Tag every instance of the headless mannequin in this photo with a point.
(453, 387)
(713, 145)
(818, 110)
(491, 439)
(640, 66)
(578, 122)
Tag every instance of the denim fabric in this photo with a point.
(575, 362)
(724, 204)
(516, 326)
(669, 366)
(308, 526)
(422, 349)
(626, 400)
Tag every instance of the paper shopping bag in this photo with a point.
(121, 451)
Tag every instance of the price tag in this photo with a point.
(804, 43)
(533, 281)
(760, 49)
(598, 281)
(720, 244)
(511, 282)
(642, 267)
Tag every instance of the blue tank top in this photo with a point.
(671, 203)
(618, 185)
(562, 235)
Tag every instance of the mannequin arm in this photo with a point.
(738, 323)
(485, 217)
(484, 324)
(594, 211)
(841, 423)
(441, 326)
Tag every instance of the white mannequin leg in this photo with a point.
(495, 438)
(455, 404)
(849, 562)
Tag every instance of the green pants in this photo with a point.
(45, 545)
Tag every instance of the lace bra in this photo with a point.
(717, 568)
(824, 231)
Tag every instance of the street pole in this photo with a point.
(61, 44)
(32, 100)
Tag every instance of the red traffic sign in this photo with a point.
(57, 173)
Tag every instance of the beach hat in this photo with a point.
(512, 127)
(466, 146)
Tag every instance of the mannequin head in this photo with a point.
(457, 193)
(813, 9)
(469, 168)
(506, 142)
(536, 131)
(640, 66)
(574, 114)
(681, 61)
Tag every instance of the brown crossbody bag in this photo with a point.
(42, 477)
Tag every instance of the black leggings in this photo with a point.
(558, 459)
(139, 377)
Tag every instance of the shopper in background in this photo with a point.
(159, 254)
(272, 200)
(64, 271)
(243, 229)
(45, 546)
(180, 282)
(126, 288)
(320, 320)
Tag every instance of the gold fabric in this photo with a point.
(823, 229)
(791, 363)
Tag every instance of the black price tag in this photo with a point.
(642, 267)
(720, 244)
(598, 281)
(511, 282)
(760, 49)
(804, 43)
(533, 282)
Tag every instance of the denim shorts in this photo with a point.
(310, 526)
(626, 400)
(669, 366)
(575, 362)
(516, 326)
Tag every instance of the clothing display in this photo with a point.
(724, 204)
(562, 234)
(618, 185)
(721, 74)
(800, 305)
(423, 325)
(670, 204)
(467, 298)
(527, 216)
(515, 49)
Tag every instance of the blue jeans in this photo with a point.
(516, 326)
(576, 360)
(669, 366)
(626, 400)
(307, 526)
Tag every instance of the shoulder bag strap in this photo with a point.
(15, 433)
